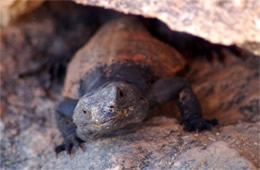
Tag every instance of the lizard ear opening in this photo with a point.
(66, 107)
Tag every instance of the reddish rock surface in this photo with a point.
(219, 21)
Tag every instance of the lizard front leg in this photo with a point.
(66, 126)
(170, 88)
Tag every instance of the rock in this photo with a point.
(243, 138)
(159, 143)
(219, 21)
(152, 145)
(252, 47)
(216, 156)
(39, 36)
(31, 142)
(12, 9)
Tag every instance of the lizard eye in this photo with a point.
(84, 111)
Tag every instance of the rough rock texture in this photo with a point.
(219, 21)
(160, 143)
(216, 156)
(12, 9)
(28, 134)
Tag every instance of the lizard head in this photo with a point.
(108, 108)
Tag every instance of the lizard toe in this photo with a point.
(68, 144)
(199, 124)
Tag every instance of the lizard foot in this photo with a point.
(68, 145)
(199, 124)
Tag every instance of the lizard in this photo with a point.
(116, 78)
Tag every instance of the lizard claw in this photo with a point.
(199, 124)
(59, 149)
(68, 145)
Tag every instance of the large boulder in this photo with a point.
(219, 21)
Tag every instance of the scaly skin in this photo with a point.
(117, 77)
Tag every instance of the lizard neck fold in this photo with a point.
(127, 71)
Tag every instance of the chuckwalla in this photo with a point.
(113, 81)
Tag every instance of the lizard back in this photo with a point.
(121, 41)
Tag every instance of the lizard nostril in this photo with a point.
(121, 94)
(111, 108)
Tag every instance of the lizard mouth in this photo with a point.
(109, 122)
(96, 129)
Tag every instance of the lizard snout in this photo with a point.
(110, 107)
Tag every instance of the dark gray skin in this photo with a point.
(110, 102)
(111, 107)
